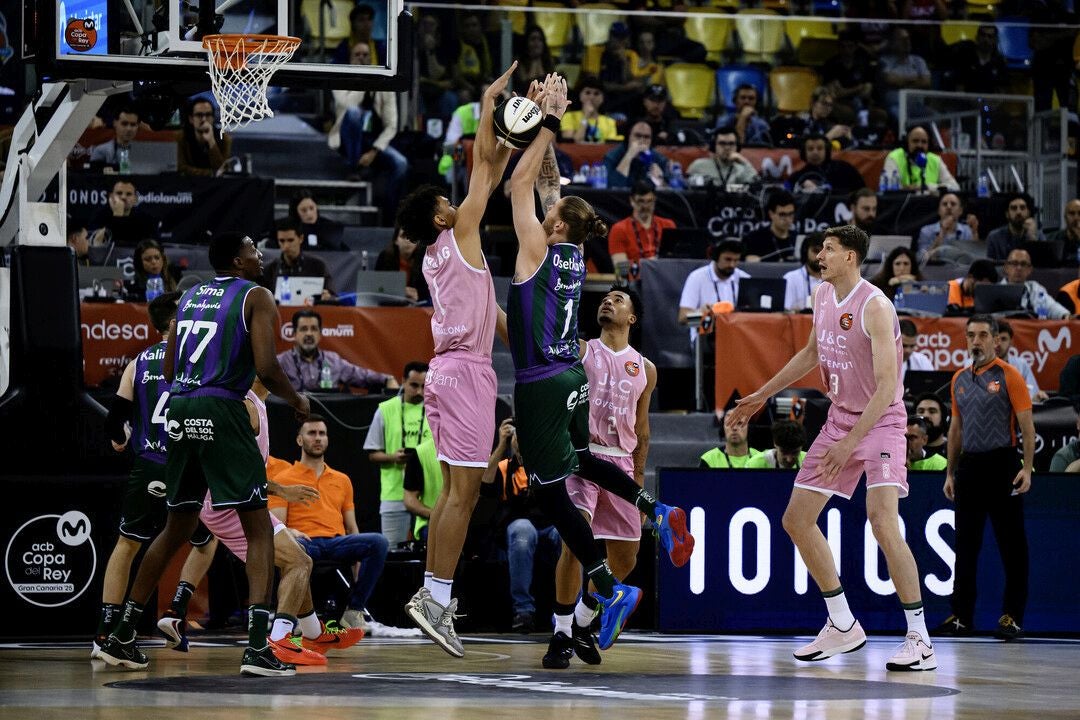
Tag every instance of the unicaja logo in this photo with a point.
(51, 559)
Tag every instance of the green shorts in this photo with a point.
(552, 421)
(142, 510)
(212, 446)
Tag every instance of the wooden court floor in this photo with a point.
(643, 676)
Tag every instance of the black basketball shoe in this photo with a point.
(263, 663)
(123, 654)
(560, 650)
(585, 645)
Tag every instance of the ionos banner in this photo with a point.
(745, 574)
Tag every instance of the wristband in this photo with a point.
(552, 123)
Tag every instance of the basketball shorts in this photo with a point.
(211, 447)
(459, 399)
(226, 527)
(552, 421)
(881, 455)
(611, 517)
(142, 509)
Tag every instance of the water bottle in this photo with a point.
(603, 177)
(123, 159)
(894, 181)
(677, 181)
(363, 260)
(883, 181)
(286, 293)
(983, 187)
(898, 298)
(154, 287)
(1042, 307)
(326, 378)
(582, 177)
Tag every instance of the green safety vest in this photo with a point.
(930, 462)
(433, 480)
(912, 175)
(762, 461)
(717, 458)
(392, 475)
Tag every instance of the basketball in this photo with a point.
(517, 121)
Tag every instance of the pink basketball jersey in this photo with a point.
(845, 355)
(263, 438)
(616, 382)
(463, 298)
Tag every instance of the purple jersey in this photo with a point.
(463, 299)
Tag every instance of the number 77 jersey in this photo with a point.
(213, 344)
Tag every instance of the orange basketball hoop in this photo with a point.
(240, 70)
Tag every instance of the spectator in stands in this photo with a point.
(529, 534)
(327, 528)
(316, 231)
(125, 127)
(366, 123)
(875, 132)
(435, 70)
(1067, 459)
(789, 438)
(588, 124)
(849, 75)
(1053, 63)
(122, 222)
(873, 35)
(671, 39)
(789, 130)
(1017, 271)
(801, 283)
(962, 289)
(726, 167)
(313, 370)
(535, 62)
(397, 426)
(361, 30)
(1020, 227)
(822, 173)
(401, 255)
(293, 261)
(463, 124)
(900, 69)
(423, 484)
(1069, 236)
(149, 261)
(715, 282)
(78, 239)
(199, 150)
(636, 160)
(929, 406)
(752, 129)
(1069, 380)
(776, 241)
(917, 167)
(917, 456)
(1068, 296)
(473, 64)
(659, 113)
(736, 451)
(1004, 344)
(978, 66)
(909, 341)
(898, 267)
(948, 238)
(864, 210)
(637, 237)
(617, 69)
(648, 67)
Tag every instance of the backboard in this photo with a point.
(161, 40)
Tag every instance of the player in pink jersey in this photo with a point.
(855, 342)
(621, 383)
(459, 396)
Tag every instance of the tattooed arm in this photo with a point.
(548, 183)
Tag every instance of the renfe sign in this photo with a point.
(745, 574)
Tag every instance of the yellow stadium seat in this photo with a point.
(725, 4)
(762, 35)
(711, 30)
(801, 29)
(816, 51)
(590, 60)
(556, 25)
(780, 6)
(692, 88)
(982, 8)
(333, 32)
(791, 88)
(518, 20)
(954, 32)
(570, 71)
(595, 26)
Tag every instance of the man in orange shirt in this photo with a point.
(326, 528)
(962, 290)
(637, 237)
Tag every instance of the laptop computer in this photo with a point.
(152, 158)
(761, 295)
(998, 298)
(882, 245)
(385, 282)
(929, 297)
(685, 243)
(101, 275)
(294, 290)
(917, 382)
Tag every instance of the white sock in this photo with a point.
(562, 624)
(440, 590)
(916, 622)
(583, 614)
(310, 626)
(839, 612)
(282, 628)
(427, 580)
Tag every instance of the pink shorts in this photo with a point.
(225, 526)
(611, 517)
(459, 399)
(882, 454)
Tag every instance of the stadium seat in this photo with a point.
(954, 32)
(691, 87)
(711, 29)
(557, 26)
(780, 6)
(799, 30)
(792, 87)
(595, 26)
(816, 51)
(1013, 41)
(762, 36)
(730, 77)
(333, 32)
(725, 4)
(518, 20)
(986, 9)
(590, 59)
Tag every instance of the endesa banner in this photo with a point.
(378, 338)
(746, 576)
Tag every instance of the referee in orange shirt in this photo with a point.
(985, 477)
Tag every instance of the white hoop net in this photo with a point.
(240, 70)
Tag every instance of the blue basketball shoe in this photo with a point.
(670, 524)
(615, 611)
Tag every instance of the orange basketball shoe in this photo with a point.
(334, 637)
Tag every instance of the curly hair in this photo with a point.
(416, 213)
